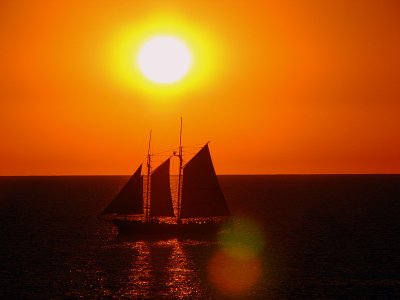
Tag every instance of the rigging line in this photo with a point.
(158, 160)
(190, 151)
(154, 154)
(199, 145)
(192, 147)
(165, 151)
(160, 164)
(183, 147)
(141, 163)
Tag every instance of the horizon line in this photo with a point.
(249, 174)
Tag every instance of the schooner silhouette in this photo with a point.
(201, 205)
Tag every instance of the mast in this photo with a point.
(180, 174)
(147, 204)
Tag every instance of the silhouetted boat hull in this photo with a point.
(149, 229)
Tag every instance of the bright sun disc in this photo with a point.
(164, 59)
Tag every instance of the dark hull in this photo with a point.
(165, 230)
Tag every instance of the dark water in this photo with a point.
(323, 237)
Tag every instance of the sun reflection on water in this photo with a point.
(161, 269)
(183, 280)
(178, 268)
(140, 277)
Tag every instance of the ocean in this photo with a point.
(297, 237)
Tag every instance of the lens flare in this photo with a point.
(236, 267)
(233, 275)
(245, 240)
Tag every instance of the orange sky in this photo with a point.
(297, 87)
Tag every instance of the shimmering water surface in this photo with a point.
(317, 236)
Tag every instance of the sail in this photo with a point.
(201, 193)
(160, 191)
(129, 201)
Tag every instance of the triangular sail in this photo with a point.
(129, 201)
(201, 193)
(160, 199)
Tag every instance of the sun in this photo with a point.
(164, 59)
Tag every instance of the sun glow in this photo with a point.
(164, 59)
(165, 56)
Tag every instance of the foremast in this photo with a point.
(180, 156)
(147, 203)
(157, 200)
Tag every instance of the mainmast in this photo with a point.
(180, 174)
(147, 204)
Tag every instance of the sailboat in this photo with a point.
(145, 207)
